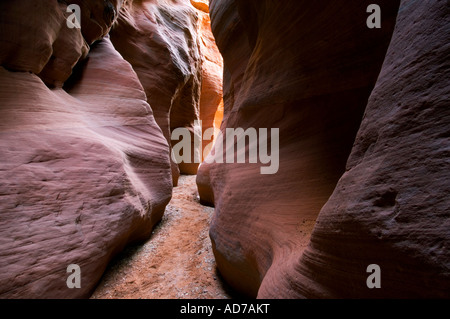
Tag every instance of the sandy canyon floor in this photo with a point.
(176, 262)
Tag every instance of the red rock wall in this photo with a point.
(172, 50)
(391, 207)
(211, 101)
(159, 39)
(84, 169)
(306, 68)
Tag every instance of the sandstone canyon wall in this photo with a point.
(86, 118)
(171, 48)
(159, 39)
(392, 207)
(85, 162)
(211, 101)
(311, 69)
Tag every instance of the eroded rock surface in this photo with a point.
(391, 207)
(171, 47)
(160, 40)
(211, 101)
(84, 169)
(309, 68)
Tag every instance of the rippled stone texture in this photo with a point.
(84, 169)
(307, 68)
(211, 101)
(391, 207)
(159, 38)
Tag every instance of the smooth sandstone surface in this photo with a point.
(308, 68)
(160, 40)
(35, 37)
(171, 47)
(391, 207)
(85, 169)
(211, 100)
(86, 166)
(363, 114)
(97, 17)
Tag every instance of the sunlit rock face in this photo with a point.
(312, 69)
(171, 47)
(159, 39)
(211, 101)
(84, 167)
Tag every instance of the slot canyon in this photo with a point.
(88, 176)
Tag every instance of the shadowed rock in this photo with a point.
(306, 68)
(84, 170)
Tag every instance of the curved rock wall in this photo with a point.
(84, 169)
(174, 55)
(85, 166)
(391, 207)
(309, 68)
(306, 68)
(211, 101)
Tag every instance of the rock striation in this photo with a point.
(171, 48)
(211, 100)
(312, 69)
(85, 169)
(391, 206)
(362, 165)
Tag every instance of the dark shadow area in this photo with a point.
(228, 289)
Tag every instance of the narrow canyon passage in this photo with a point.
(176, 262)
(105, 103)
